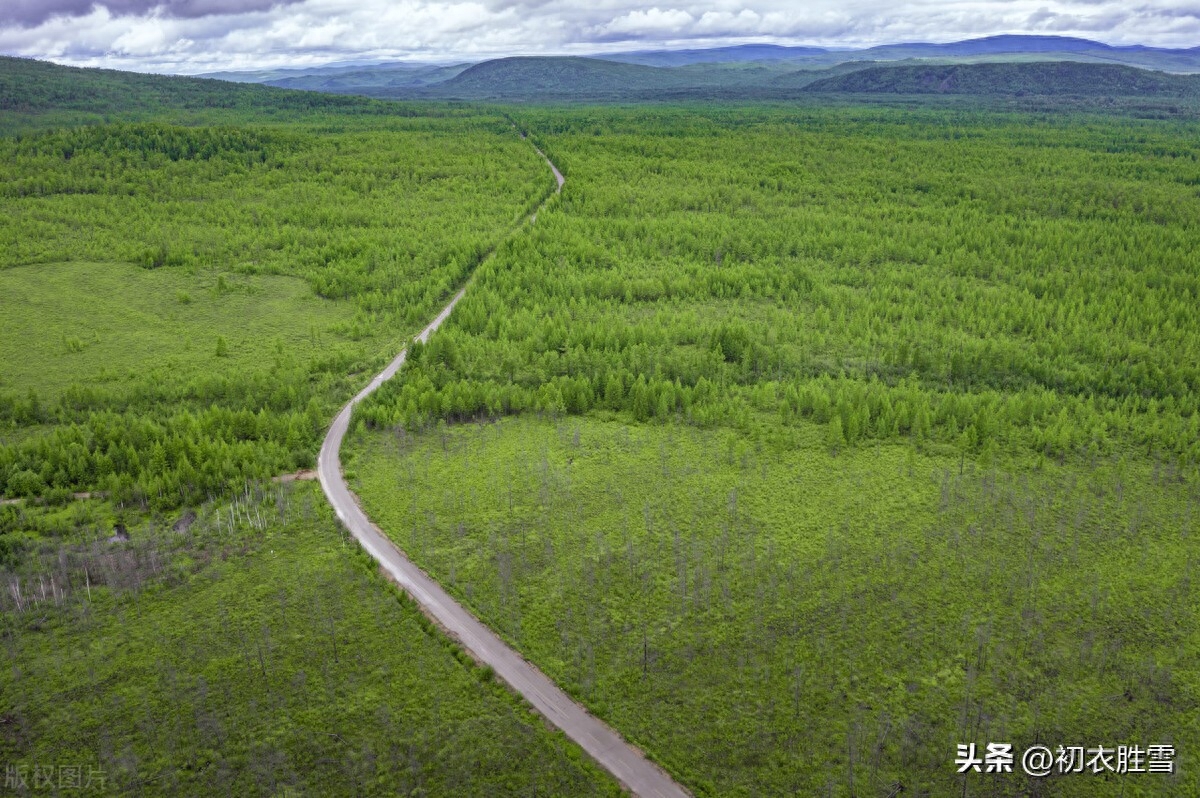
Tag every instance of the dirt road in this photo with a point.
(626, 763)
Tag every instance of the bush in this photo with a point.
(26, 483)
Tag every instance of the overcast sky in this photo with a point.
(188, 36)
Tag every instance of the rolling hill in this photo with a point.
(565, 77)
(31, 88)
(555, 79)
(29, 85)
(993, 79)
(1008, 65)
(989, 48)
(371, 81)
(720, 68)
(737, 53)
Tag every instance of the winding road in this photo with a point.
(625, 762)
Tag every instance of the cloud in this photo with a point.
(638, 23)
(207, 35)
(30, 13)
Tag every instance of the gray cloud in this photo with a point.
(31, 13)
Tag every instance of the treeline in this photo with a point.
(963, 280)
(854, 409)
(120, 146)
(167, 443)
(161, 461)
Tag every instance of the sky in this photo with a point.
(194, 36)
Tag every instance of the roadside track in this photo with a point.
(627, 764)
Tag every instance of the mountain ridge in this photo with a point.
(30, 87)
(1054, 78)
(1013, 45)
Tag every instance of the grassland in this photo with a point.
(769, 618)
(265, 657)
(806, 445)
(119, 324)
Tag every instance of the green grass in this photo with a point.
(768, 618)
(266, 659)
(119, 325)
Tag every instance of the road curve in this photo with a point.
(627, 764)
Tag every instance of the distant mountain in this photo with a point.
(280, 73)
(1011, 79)
(989, 48)
(1061, 48)
(719, 71)
(347, 77)
(786, 82)
(1046, 48)
(550, 78)
(738, 53)
(538, 78)
(558, 77)
(29, 88)
(990, 45)
(374, 82)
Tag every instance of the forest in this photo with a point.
(980, 285)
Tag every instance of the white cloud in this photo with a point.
(655, 22)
